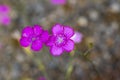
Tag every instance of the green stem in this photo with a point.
(94, 67)
(40, 65)
(69, 70)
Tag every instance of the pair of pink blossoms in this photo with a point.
(62, 38)
(4, 15)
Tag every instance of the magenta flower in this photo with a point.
(34, 36)
(4, 15)
(77, 37)
(41, 78)
(60, 40)
(58, 2)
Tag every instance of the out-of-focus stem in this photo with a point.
(69, 69)
(38, 62)
(41, 67)
(94, 67)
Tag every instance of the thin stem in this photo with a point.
(85, 55)
(38, 62)
(94, 67)
(69, 69)
(41, 67)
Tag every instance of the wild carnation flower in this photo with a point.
(58, 2)
(41, 78)
(34, 36)
(60, 40)
(4, 15)
(77, 37)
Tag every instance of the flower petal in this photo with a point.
(69, 46)
(27, 32)
(56, 51)
(68, 31)
(5, 20)
(37, 30)
(4, 9)
(50, 41)
(36, 45)
(44, 36)
(77, 37)
(25, 42)
(57, 29)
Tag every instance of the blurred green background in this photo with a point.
(97, 20)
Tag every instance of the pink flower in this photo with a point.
(58, 2)
(35, 36)
(41, 78)
(4, 15)
(60, 39)
(77, 37)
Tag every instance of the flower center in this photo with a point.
(35, 38)
(60, 40)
